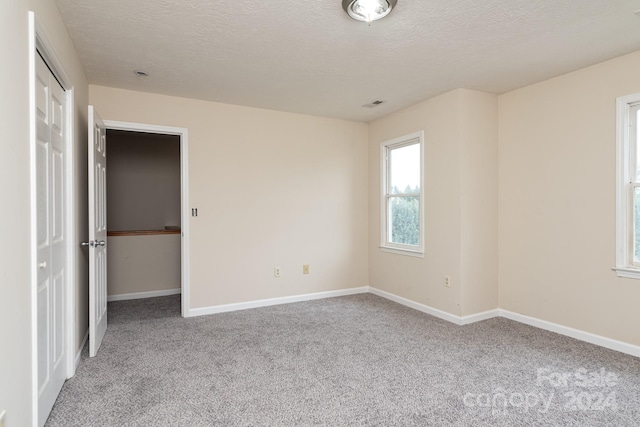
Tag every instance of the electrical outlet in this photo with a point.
(2, 414)
(305, 269)
(447, 281)
(276, 272)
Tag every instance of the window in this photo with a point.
(628, 187)
(401, 199)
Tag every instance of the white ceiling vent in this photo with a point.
(373, 104)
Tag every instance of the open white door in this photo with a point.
(97, 231)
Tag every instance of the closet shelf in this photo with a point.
(169, 230)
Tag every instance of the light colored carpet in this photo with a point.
(356, 360)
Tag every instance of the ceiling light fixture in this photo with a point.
(368, 10)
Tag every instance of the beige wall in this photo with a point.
(479, 201)
(557, 201)
(271, 188)
(15, 298)
(460, 190)
(143, 263)
(143, 183)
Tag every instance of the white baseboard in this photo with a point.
(458, 320)
(193, 312)
(599, 340)
(417, 306)
(79, 352)
(140, 295)
(477, 317)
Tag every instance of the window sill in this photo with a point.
(406, 252)
(628, 272)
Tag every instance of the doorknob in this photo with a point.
(42, 264)
(94, 243)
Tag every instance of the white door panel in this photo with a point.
(97, 231)
(50, 237)
(44, 367)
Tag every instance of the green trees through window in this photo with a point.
(405, 217)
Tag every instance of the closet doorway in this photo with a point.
(146, 212)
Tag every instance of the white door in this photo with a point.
(97, 231)
(50, 236)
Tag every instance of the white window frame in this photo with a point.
(626, 149)
(385, 147)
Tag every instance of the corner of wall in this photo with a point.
(479, 201)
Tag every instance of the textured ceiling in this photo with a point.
(309, 57)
